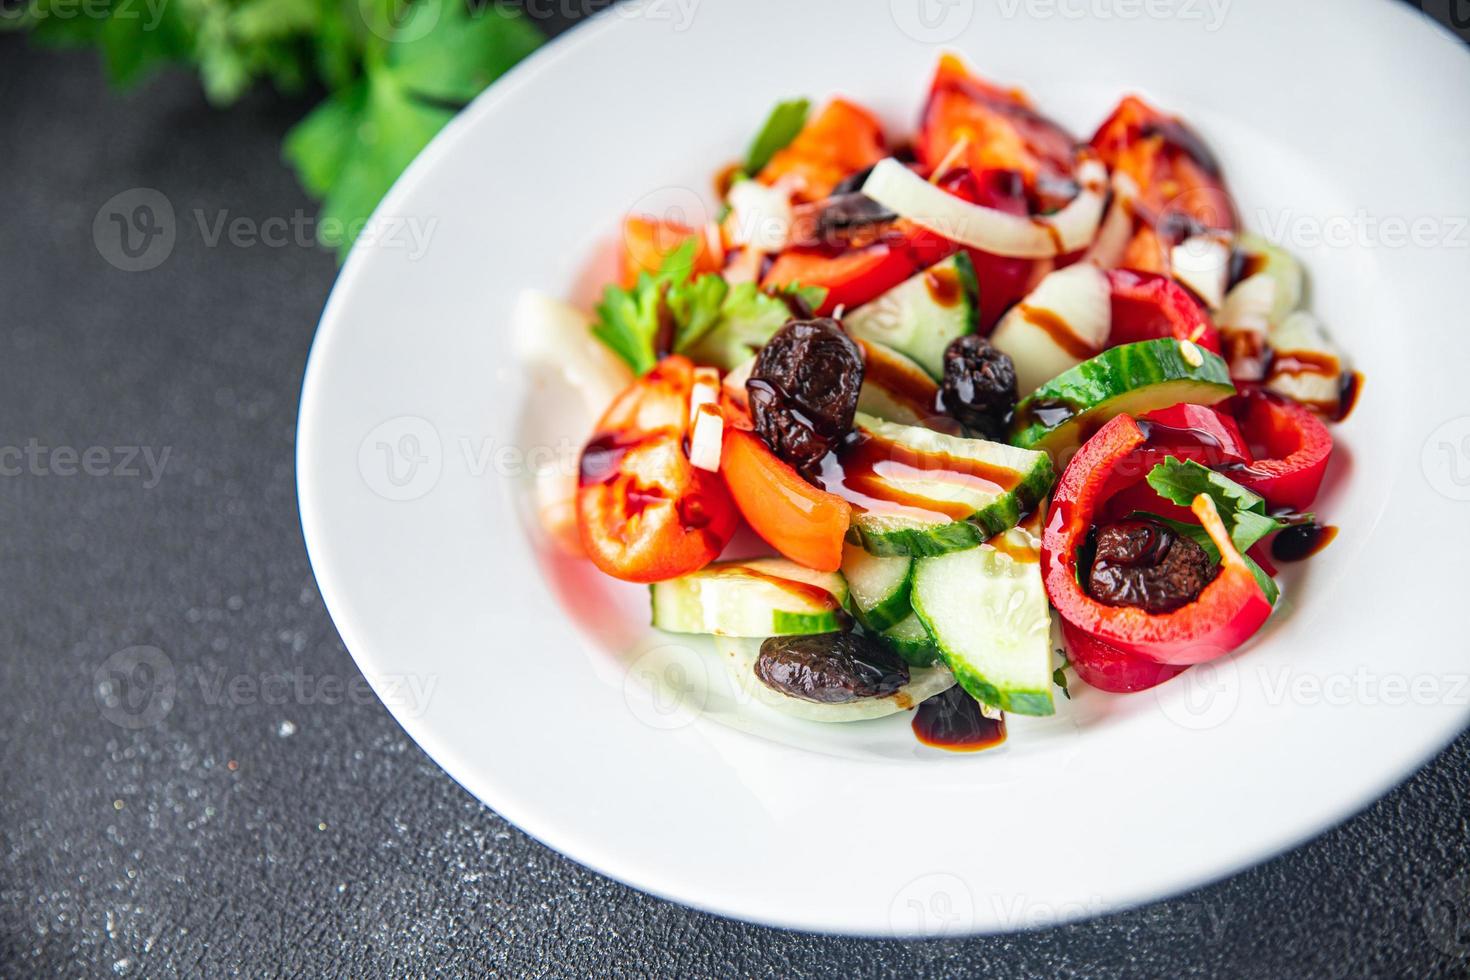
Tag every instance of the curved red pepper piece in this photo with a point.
(1183, 431)
(1147, 306)
(1229, 610)
(1293, 449)
(1107, 668)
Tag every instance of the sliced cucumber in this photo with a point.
(920, 316)
(1281, 267)
(762, 597)
(1131, 379)
(879, 586)
(740, 656)
(895, 387)
(989, 616)
(942, 471)
(1060, 323)
(911, 641)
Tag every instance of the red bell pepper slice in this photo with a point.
(1148, 306)
(1184, 431)
(1292, 448)
(1107, 668)
(1227, 612)
(891, 253)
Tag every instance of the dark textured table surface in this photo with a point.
(270, 817)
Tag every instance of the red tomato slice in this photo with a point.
(1002, 129)
(802, 522)
(1179, 181)
(644, 513)
(841, 140)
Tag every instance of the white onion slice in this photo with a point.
(1202, 262)
(1248, 306)
(760, 216)
(706, 438)
(1076, 300)
(1116, 231)
(905, 193)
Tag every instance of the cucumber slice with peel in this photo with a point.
(989, 616)
(740, 655)
(921, 315)
(762, 597)
(1130, 379)
(911, 641)
(879, 587)
(930, 492)
(896, 388)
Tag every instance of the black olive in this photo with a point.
(1146, 564)
(830, 668)
(979, 385)
(804, 389)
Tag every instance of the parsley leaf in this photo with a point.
(1243, 512)
(628, 320)
(780, 128)
(1059, 676)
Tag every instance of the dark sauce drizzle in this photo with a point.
(952, 721)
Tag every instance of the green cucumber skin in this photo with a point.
(915, 652)
(1034, 703)
(938, 539)
(1114, 374)
(889, 612)
(802, 624)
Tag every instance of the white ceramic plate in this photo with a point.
(536, 683)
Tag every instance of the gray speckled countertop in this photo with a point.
(266, 830)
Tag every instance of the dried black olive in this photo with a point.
(830, 668)
(840, 214)
(979, 385)
(1146, 564)
(804, 390)
(853, 182)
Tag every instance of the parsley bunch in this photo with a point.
(395, 71)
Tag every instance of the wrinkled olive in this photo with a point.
(830, 668)
(804, 390)
(1149, 565)
(979, 385)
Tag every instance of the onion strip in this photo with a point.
(905, 193)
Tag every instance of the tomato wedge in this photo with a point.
(1001, 129)
(841, 140)
(647, 241)
(1147, 306)
(802, 522)
(644, 512)
(1181, 189)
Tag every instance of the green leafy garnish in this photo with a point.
(779, 129)
(1059, 676)
(1243, 512)
(395, 71)
(682, 312)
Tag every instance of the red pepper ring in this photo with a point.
(1229, 610)
(1105, 667)
(1293, 449)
